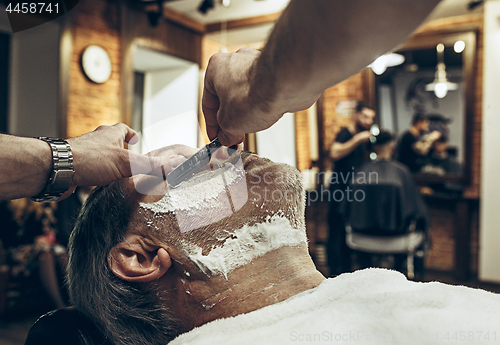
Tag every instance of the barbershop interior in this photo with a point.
(423, 202)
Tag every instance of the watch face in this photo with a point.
(96, 64)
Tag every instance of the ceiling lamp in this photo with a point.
(441, 85)
(459, 46)
(387, 60)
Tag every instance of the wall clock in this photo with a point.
(96, 64)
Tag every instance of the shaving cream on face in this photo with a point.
(247, 243)
(204, 199)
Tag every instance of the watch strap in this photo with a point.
(62, 170)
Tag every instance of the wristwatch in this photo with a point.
(62, 170)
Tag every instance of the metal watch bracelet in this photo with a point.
(62, 170)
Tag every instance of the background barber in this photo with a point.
(348, 152)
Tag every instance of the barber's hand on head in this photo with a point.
(99, 157)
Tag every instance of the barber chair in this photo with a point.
(383, 224)
(65, 326)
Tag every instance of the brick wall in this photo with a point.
(442, 252)
(91, 104)
(302, 140)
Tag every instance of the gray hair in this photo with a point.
(127, 313)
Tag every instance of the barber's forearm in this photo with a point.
(316, 44)
(25, 164)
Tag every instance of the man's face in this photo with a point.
(245, 191)
(364, 118)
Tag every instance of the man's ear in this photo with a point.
(134, 260)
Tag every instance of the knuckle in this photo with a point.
(215, 60)
(216, 57)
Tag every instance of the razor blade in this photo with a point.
(193, 164)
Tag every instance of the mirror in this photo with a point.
(418, 85)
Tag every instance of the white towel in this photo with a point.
(375, 306)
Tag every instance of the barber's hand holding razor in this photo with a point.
(234, 103)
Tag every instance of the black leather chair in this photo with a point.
(65, 326)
